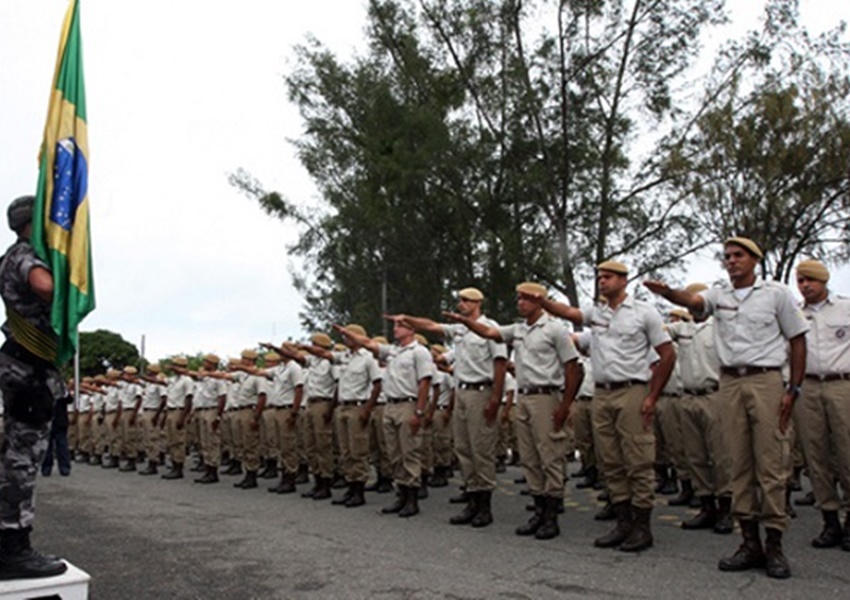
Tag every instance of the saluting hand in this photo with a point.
(454, 317)
(656, 287)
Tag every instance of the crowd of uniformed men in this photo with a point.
(723, 405)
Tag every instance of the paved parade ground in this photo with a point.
(141, 537)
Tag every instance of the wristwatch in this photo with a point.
(794, 390)
(419, 413)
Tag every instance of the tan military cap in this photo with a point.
(154, 368)
(340, 347)
(88, 379)
(130, 370)
(379, 339)
(696, 288)
(233, 362)
(747, 244)
(439, 349)
(613, 266)
(249, 354)
(421, 339)
(813, 269)
(355, 328)
(271, 357)
(681, 313)
(531, 288)
(112, 373)
(471, 293)
(180, 361)
(212, 358)
(322, 339)
(100, 378)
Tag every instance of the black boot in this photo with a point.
(466, 516)
(750, 554)
(323, 492)
(685, 496)
(385, 485)
(18, 560)
(794, 482)
(776, 564)
(641, 536)
(199, 466)
(422, 491)
(342, 500)
(807, 500)
(832, 533)
(501, 467)
(270, 471)
(111, 462)
(400, 500)
(286, 485)
(129, 466)
(484, 515)
(536, 519)
(621, 531)
(661, 477)
(312, 491)
(235, 468)
(303, 474)
(176, 471)
(249, 482)
(461, 498)
(211, 476)
(337, 481)
(706, 518)
(607, 513)
(151, 469)
(724, 524)
(411, 506)
(549, 522)
(357, 498)
(591, 476)
(439, 479)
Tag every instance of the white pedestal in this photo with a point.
(73, 584)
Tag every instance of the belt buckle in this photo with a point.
(741, 371)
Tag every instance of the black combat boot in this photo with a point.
(286, 484)
(211, 476)
(536, 519)
(270, 470)
(422, 490)
(591, 476)
(549, 520)
(706, 518)
(18, 560)
(484, 515)
(110, 462)
(832, 533)
(750, 554)
(606, 513)
(641, 536)
(621, 531)
(199, 466)
(249, 482)
(776, 565)
(466, 516)
(303, 474)
(312, 491)
(439, 479)
(323, 491)
(411, 505)
(685, 496)
(176, 471)
(724, 525)
(461, 498)
(151, 469)
(129, 466)
(357, 498)
(400, 500)
(342, 500)
(235, 468)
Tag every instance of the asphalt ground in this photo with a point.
(142, 537)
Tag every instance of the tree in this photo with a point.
(103, 349)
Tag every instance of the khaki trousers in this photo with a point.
(301, 435)
(624, 450)
(583, 427)
(248, 438)
(268, 448)
(282, 437)
(507, 433)
(112, 432)
(99, 435)
(353, 443)
(669, 420)
(822, 419)
(193, 430)
(210, 438)
(542, 450)
(84, 434)
(442, 431)
(318, 438)
(175, 438)
(404, 448)
(475, 441)
(153, 436)
(130, 438)
(378, 442)
(760, 453)
(707, 451)
(226, 431)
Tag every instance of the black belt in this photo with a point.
(829, 377)
(318, 399)
(481, 385)
(618, 385)
(702, 391)
(251, 406)
(277, 407)
(585, 398)
(353, 402)
(747, 370)
(400, 400)
(539, 390)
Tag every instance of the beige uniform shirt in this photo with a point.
(406, 367)
(540, 351)
(754, 331)
(322, 380)
(698, 363)
(130, 392)
(248, 389)
(177, 390)
(360, 372)
(112, 398)
(285, 378)
(152, 396)
(588, 385)
(473, 355)
(828, 339)
(622, 339)
(207, 393)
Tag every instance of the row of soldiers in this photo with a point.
(729, 400)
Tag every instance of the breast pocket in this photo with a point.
(836, 327)
(758, 324)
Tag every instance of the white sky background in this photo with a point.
(179, 94)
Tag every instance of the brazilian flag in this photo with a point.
(60, 225)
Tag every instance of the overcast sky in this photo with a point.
(180, 94)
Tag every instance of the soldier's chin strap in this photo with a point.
(30, 337)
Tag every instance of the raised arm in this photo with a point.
(476, 327)
(694, 302)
